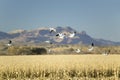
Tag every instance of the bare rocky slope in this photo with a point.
(43, 34)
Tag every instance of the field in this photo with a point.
(60, 67)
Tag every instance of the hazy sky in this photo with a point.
(99, 18)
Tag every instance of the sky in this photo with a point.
(99, 18)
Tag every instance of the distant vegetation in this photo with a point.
(26, 51)
(41, 49)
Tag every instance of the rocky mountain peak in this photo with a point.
(43, 34)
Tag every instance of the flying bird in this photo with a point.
(77, 50)
(72, 34)
(60, 35)
(91, 48)
(9, 43)
(52, 30)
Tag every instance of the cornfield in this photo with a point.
(60, 67)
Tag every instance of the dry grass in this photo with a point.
(60, 67)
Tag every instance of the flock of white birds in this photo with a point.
(71, 35)
(61, 36)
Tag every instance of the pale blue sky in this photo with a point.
(99, 18)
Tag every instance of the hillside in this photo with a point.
(41, 35)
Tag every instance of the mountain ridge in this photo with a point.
(43, 34)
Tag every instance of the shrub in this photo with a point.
(39, 51)
(23, 50)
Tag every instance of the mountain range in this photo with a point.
(41, 35)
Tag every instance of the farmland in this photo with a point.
(60, 67)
